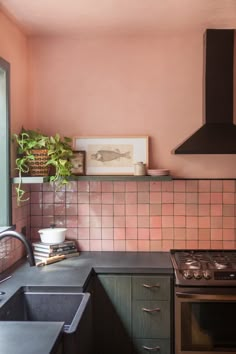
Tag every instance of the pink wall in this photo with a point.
(147, 85)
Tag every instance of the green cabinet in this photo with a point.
(132, 314)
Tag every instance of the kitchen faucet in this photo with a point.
(23, 239)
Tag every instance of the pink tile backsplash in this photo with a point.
(130, 216)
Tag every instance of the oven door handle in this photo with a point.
(212, 297)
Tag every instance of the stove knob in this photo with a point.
(207, 274)
(187, 274)
(197, 274)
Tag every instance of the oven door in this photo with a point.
(205, 320)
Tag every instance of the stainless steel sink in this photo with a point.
(35, 305)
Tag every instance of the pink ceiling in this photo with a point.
(72, 17)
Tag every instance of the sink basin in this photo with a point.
(34, 305)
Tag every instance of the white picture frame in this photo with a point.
(112, 155)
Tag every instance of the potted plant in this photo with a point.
(37, 153)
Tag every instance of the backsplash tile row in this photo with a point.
(139, 216)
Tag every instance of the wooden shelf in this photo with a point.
(30, 180)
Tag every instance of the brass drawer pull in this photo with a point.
(152, 349)
(157, 285)
(157, 309)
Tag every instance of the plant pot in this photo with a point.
(38, 167)
(53, 235)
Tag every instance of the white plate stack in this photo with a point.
(158, 172)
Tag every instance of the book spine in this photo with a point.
(54, 249)
(51, 254)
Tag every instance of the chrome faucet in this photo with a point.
(24, 240)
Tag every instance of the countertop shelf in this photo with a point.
(30, 180)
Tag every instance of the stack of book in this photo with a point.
(43, 251)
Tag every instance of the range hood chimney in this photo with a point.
(218, 134)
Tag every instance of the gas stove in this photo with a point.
(204, 267)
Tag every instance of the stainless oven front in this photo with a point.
(205, 320)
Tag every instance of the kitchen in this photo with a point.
(147, 79)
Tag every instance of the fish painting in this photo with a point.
(110, 155)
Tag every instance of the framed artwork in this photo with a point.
(112, 155)
(78, 163)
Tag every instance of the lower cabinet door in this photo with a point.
(151, 319)
(145, 346)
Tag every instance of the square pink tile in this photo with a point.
(216, 234)
(228, 222)
(155, 197)
(95, 221)
(155, 209)
(228, 210)
(84, 245)
(119, 245)
(107, 221)
(180, 220)
(180, 233)
(228, 245)
(36, 197)
(95, 186)
(131, 198)
(192, 209)
(191, 186)
(167, 245)
(179, 197)
(95, 233)
(167, 233)
(131, 233)
(107, 209)
(216, 209)
(131, 209)
(131, 186)
(83, 233)
(95, 209)
(167, 186)
(74, 221)
(167, 197)
(204, 209)
(48, 197)
(119, 210)
(119, 233)
(155, 246)
(191, 234)
(143, 197)
(143, 209)
(107, 198)
(83, 209)
(229, 186)
(192, 198)
(229, 235)
(156, 234)
(216, 186)
(205, 245)
(204, 234)
(155, 186)
(71, 209)
(179, 209)
(204, 185)
(143, 234)
(83, 186)
(216, 198)
(179, 244)
(71, 197)
(179, 185)
(216, 222)
(167, 209)
(35, 187)
(131, 221)
(143, 186)
(72, 186)
(167, 221)
(119, 186)
(36, 209)
(204, 198)
(107, 245)
(95, 198)
(216, 244)
(119, 221)
(205, 222)
(60, 197)
(107, 186)
(143, 221)
(131, 245)
(83, 221)
(143, 245)
(229, 198)
(107, 234)
(192, 244)
(119, 198)
(155, 221)
(36, 220)
(83, 198)
(60, 220)
(95, 245)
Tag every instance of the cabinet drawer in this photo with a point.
(150, 288)
(151, 319)
(145, 346)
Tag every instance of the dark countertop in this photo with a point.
(75, 273)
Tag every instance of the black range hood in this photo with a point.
(218, 134)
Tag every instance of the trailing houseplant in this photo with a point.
(57, 150)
